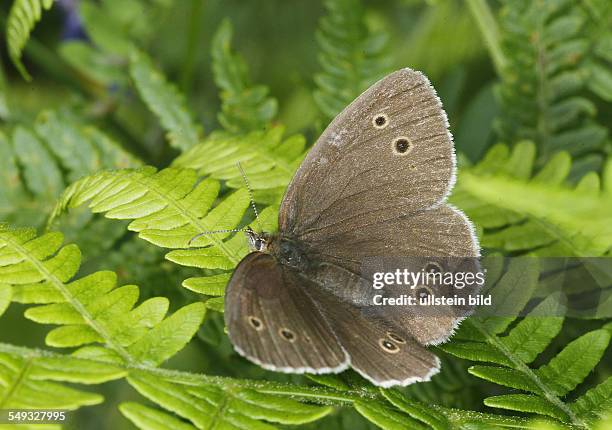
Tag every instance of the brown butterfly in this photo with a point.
(373, 185)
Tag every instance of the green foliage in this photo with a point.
(204, 401)
(170, 208)
(351, 56)
(4, 104)
(557, 76)
(547, 193)
(430, 34)
(244, 107)
(6, 294)
(37, 381)
(210, 406)
(510, 348)
(453, 387)
(165, 101)
(37, 161)
(23, 17)
(267, 159)
(539, 212)
(90, 309)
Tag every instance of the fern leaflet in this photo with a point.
(204, 401)
(244, 107)
(165, 101)
(54, 150)
(91, 309)
(22, 18)
(552, 63)
(351, 56)
(510, 352)
(519, 222)
(33, 380)
(170, 208)
(267, 160)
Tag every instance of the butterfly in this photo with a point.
(373, 185)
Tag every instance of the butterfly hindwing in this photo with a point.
(273, 322)
(385, 354)
(445, 237)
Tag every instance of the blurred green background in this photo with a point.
(78, 59)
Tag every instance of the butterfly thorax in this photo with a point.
(287, 251)
(290, 253)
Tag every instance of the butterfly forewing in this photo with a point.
(359, 171)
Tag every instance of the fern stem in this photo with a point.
(317, 394)
(550, 396)
(488, 27)
(15, 385)
(542, 127)
(194, 220)
(77, 305)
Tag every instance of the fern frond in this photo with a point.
(108, 30)
(170, 208)
(556, 75)
(509, 354)
(595, 404)
(387, 418)
(539, 213)
(91, 309)
(34, 380)
(440, 418)
(239, 403)
(209, 406)
(42, 175)
(22, 18)
(430, 34)
(203, 401)
(351, 56)
(80, 149)
(268, 160)
(147, 418)
(165, 101)
(244, 107)
(36, 162)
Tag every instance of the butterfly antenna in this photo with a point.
(251, 197)
(197, 236)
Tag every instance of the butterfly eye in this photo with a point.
(402, 146)
(380, 120)
(389, 347)
(258, 244)
(256, 323)
(433, 267)
(395, 337)
(287, 334)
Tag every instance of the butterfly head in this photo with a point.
(257, 242)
